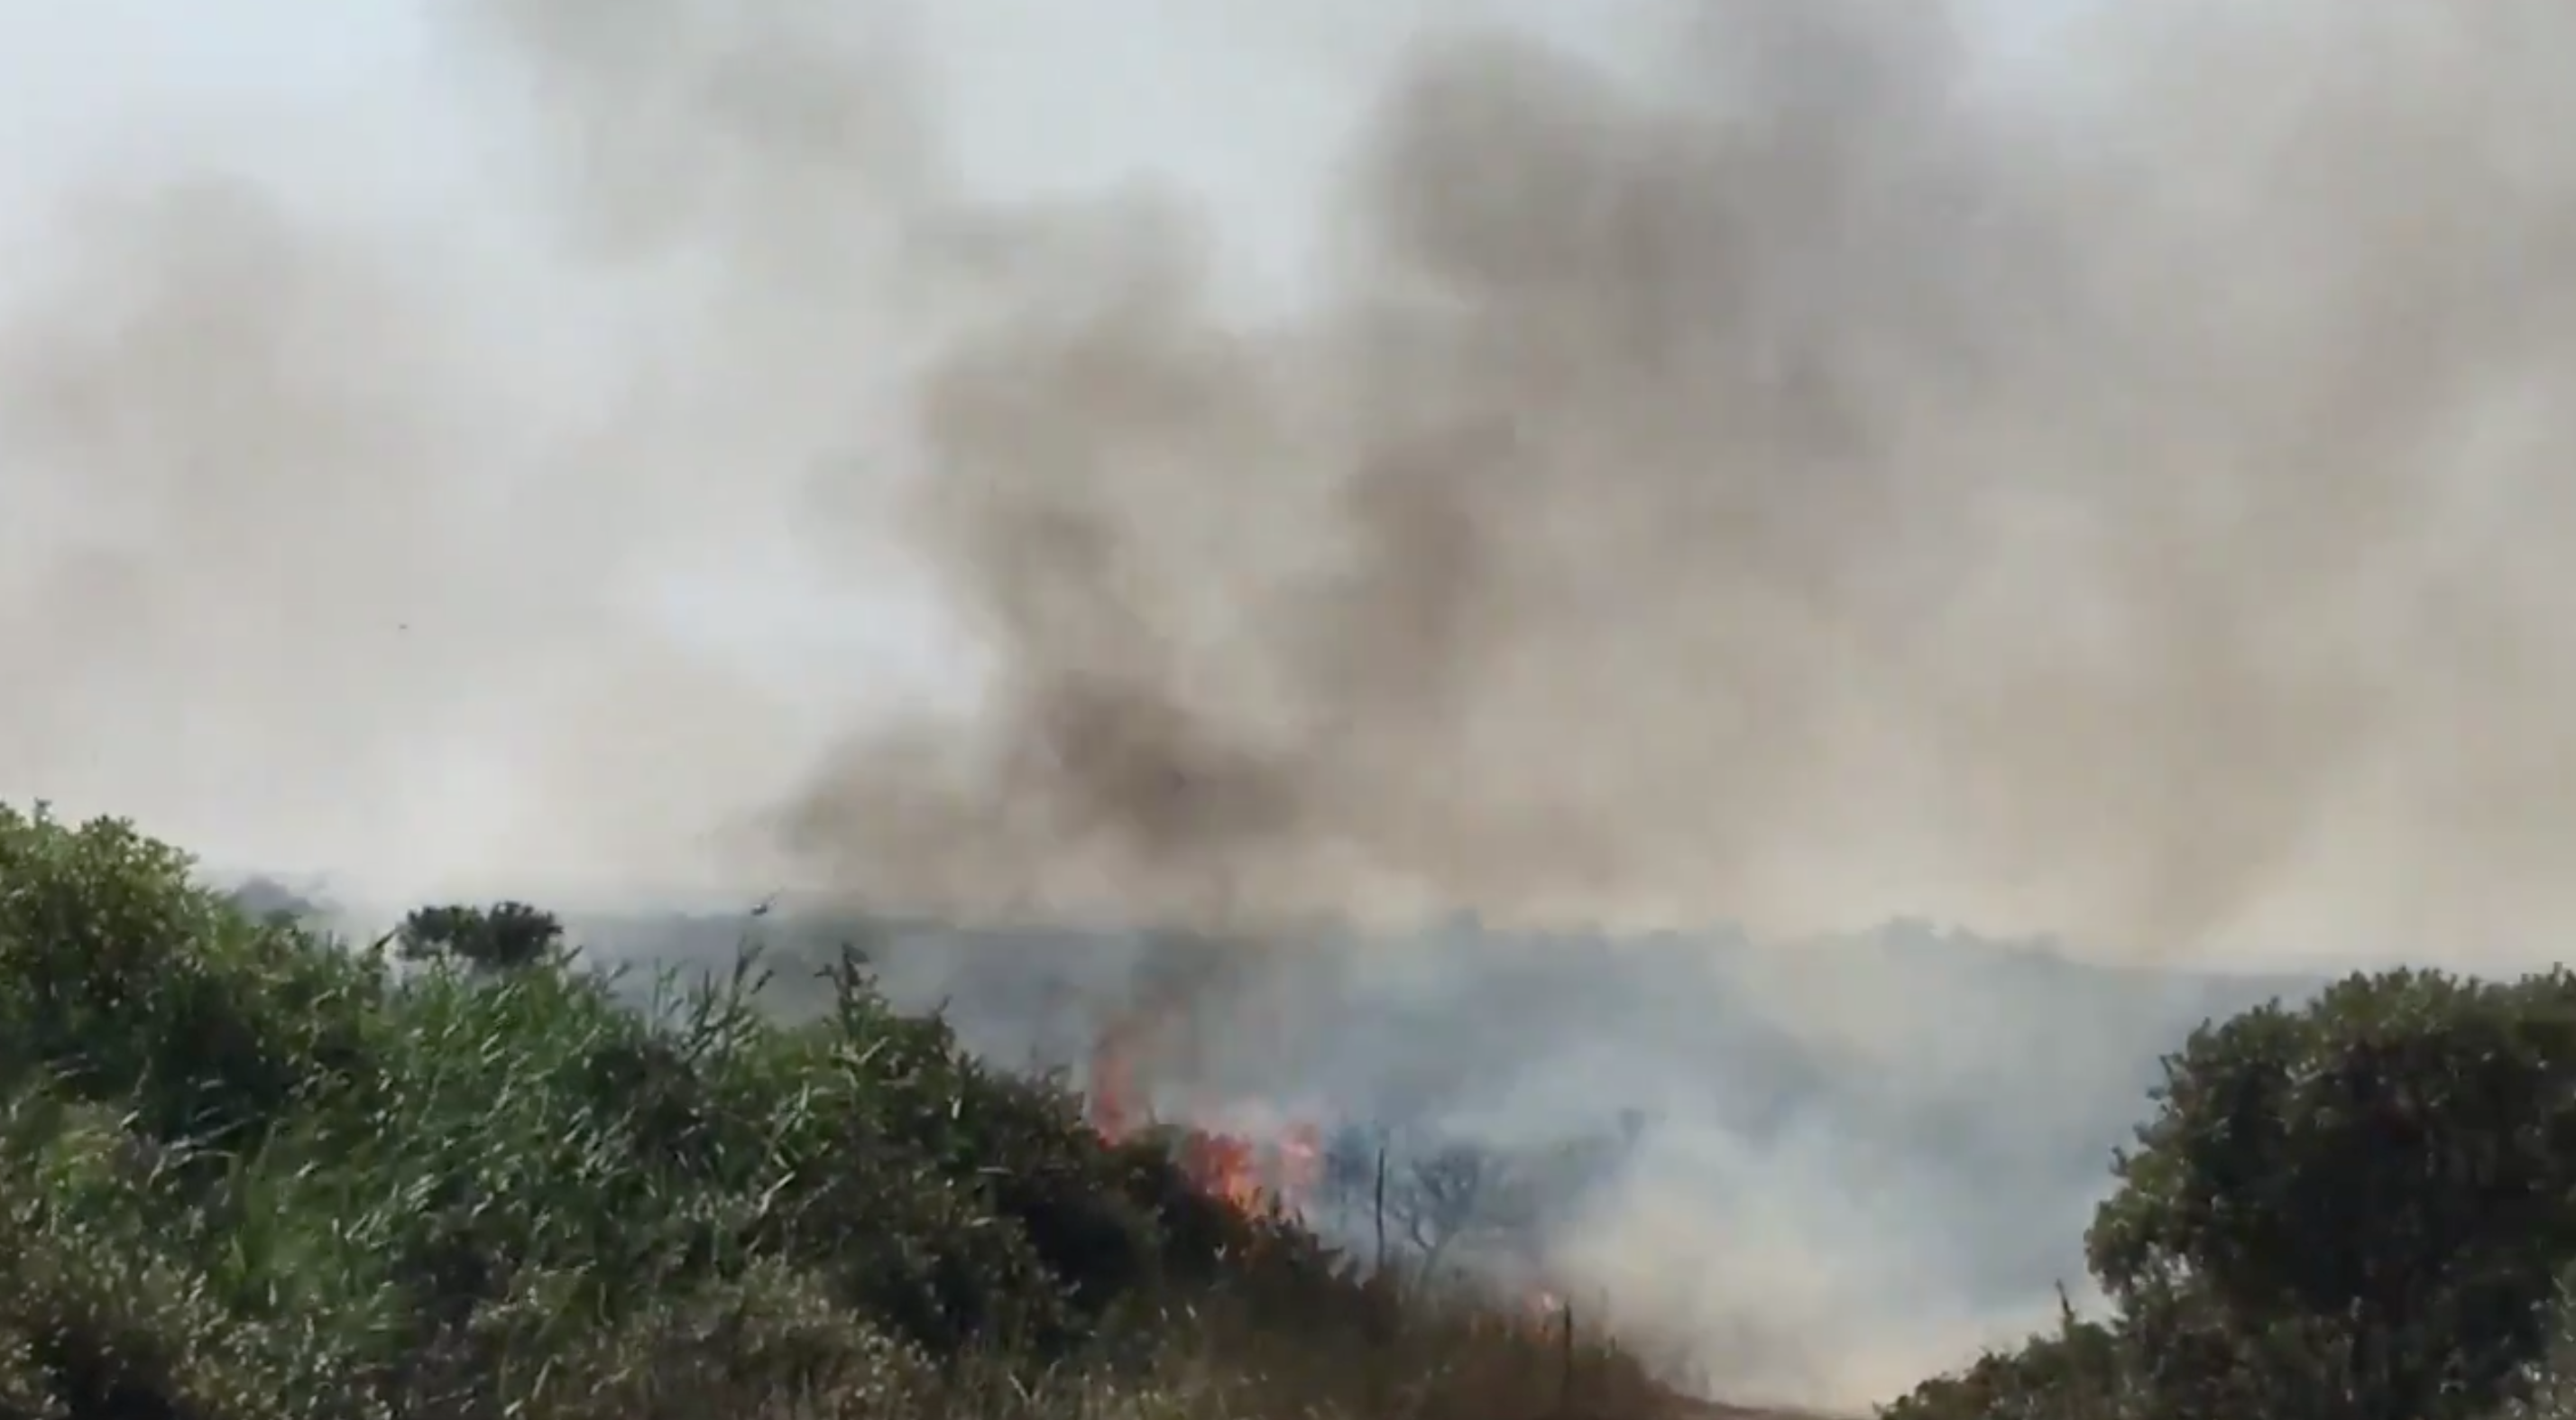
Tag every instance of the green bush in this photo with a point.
(2356, 1210)
(250, 1171)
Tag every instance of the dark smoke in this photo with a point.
(1799, 479)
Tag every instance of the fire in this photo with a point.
(1249, 1156)
(1225, 1166)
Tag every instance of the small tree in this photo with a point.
(506, 936)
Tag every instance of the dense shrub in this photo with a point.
(248, 1171)
(2356, 1210)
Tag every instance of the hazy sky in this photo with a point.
(362, 105)
(372, 111)
(366, 366)
(363, 101)
(365, 106)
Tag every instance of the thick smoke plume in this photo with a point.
(1793, 478)
(1790, 462)
(1792, 466)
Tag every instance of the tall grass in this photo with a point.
(248, 1172)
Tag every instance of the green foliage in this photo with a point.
(2550, 1389)
(2356, 1210)
(124, 982)
(2387, 1172)
(506, 936)
(248, 1171)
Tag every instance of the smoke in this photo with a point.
(1787, 462)
(1793, 478)
(1789, 465)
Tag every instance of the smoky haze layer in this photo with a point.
(1845, 1173)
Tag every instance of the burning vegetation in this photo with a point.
(1248, 1153)
(1417, 1204)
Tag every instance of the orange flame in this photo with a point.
(1247, 1170)
(1225, 1166)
